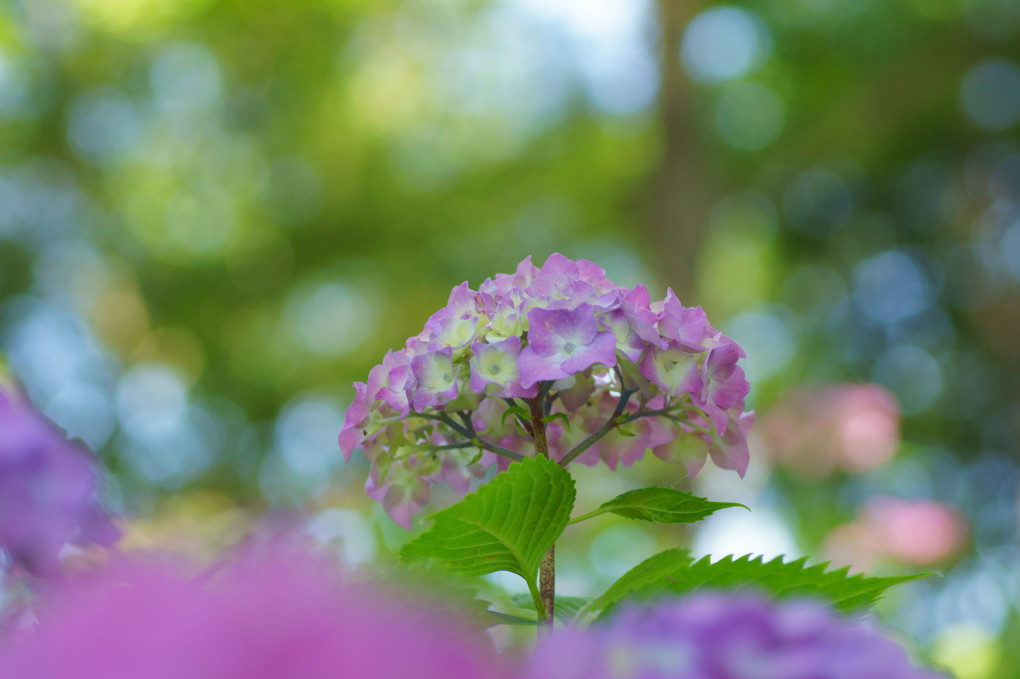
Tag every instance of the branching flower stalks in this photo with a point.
(556, 361)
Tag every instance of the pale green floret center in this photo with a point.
(668, 361)
(498, 366)
(569, 347)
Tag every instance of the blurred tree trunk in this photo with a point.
(681, 188)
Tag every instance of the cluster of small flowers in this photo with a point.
(47, 489)
(720, 636)
(565, 340)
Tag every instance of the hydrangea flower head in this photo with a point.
(266, 618)
(47, 489)
(564, 344)
(724, 636)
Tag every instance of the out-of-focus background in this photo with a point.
(216, 215)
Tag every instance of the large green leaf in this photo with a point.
(507, 525)
(663, 505)
(781, 580)
(651, 574)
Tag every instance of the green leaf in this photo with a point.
(507, 525)
(652, 573)
(781, 580)
(515, 410)
(664, 505)
(551, 418)
(567, 607)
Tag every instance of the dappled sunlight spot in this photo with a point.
(743, 216)
(347, 531)
(305, 439)
(84, 412)
(177, 346)
(990, 95)
(611, 48)
(893, 270)
(739, 260)
(293, 191)
(615, 550)
(722, 43)
(930, 195)
(735, 278)
(50, 347)
(715, 483)
(735, 531)
(120, 316)
(818, 202)
(186, 78)
(331, 319)
(749, 116)
(151, 400)
(912, 374)
(137, 19)
(621, 262)
(817, 292)
(1010, 248)
(386, 89)
(258, 344)
(968, 651)
(16, 100)
(199, 525)
(104, 126)
(169, 440)
(769, 339)
(199, 223)
(172, 456)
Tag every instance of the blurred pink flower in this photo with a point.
(48, 488)
(815, 430)
(914, 532)
(256, 619)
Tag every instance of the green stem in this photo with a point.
(547, 569)
(607, 427)
(536, 598)
(472, 436)
(589, 515)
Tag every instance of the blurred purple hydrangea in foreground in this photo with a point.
(47, 489)
(282, 616)
(627, 374)
(719, 636)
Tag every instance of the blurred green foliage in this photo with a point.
(216, 215)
